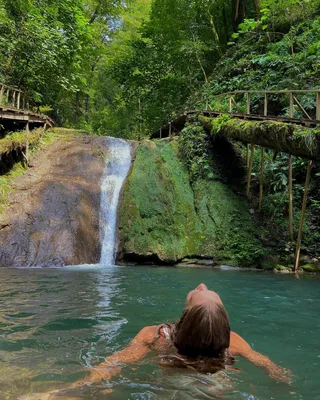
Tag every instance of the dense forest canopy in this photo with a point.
(124, 68)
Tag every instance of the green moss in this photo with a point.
(280, 136)
(157, 214)
(16, 140)
(311, 267)
(228, 233)
(6, 183)
(69, 132)
(279, 267)
(162, 214)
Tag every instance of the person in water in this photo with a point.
(201, 340)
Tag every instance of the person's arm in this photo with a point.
(134, 351)
(238, 346)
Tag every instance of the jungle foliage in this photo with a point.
(126, 67)
(278, 50)
(112, 65)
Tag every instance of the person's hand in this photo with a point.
(75, 391)
(281, 374)
(43, 396)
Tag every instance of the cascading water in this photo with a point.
(116, 170)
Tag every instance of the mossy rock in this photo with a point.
(227, 229)
(311, 267)
(162, 217)
(157, 215)
(283, 268)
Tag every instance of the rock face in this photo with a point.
(53, 214)
(163, 218)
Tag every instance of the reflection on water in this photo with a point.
(56, 322)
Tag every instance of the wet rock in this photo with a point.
(228, 268)
(165, 218)
(52, 218)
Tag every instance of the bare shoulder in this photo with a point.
(238, 345)
(146, 335)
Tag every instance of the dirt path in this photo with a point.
(53, 213)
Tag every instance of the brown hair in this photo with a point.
(201, 337)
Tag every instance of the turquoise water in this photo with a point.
(56, 322)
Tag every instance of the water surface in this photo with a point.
(56, 322)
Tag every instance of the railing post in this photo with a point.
(261, 179)
(24, 102)
(265, 111)
(290, 198)
(14, 99)
(248, 102)
(44, 129)
(18, 102)
(291, 105)
(170, 129)
(318, 107)
(160, 133)
(1, 95)
(230, 103)
(7, 96)
(27, 143)
(250, 170)
(303, 212)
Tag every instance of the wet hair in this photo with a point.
(201, 338)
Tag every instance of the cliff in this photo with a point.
(163, 217)
(52, 217)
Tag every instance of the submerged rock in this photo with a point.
(228, 268)
(163, 218)
(53, 215)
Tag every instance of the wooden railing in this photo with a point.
(240, 99)
(239, 104)
(12, 97)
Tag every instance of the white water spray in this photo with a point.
(116, 170)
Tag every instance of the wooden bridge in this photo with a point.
(15, 106)
(15, 109)
(238, 105)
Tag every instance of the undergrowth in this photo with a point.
(6, 183)
(194, 149)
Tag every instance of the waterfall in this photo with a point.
(116, 170)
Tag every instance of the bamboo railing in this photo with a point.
(12, 97)
(293, 102)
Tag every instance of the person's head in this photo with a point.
(203, 329)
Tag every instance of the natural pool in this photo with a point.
(56, 322)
